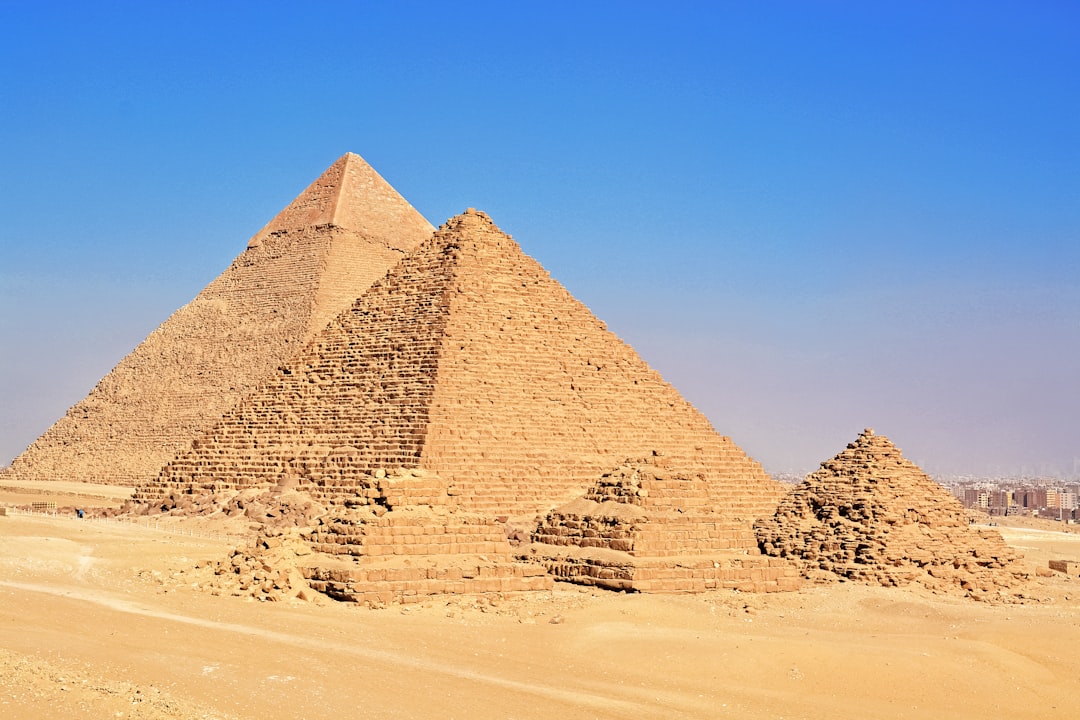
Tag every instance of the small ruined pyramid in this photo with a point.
(398, 539)
(647, 526)
(307, 265)
(871, 515)
(470, 363)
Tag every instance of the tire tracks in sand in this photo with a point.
(566, 695)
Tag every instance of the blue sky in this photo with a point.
(811, 217)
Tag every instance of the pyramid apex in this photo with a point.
(868, 439)
(471, 219)
(349, 194)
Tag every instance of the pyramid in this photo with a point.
(647, 526)
(470, 363)
(397, 540)
(300, 271)
(871, 515)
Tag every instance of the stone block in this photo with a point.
(1069, 567)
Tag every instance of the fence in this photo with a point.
(48, 509)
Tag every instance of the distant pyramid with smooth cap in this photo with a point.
(871, 515)
(308, 264)
(469, 362)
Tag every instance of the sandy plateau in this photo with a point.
(101, 619)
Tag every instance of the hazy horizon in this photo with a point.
(811, 218)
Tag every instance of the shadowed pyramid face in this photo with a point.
(310, 262)
(470, 361)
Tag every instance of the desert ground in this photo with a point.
(103, 619)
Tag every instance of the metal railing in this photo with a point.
(146, 523)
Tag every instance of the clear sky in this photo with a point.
(811, 217)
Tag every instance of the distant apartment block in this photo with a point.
(1019, 496)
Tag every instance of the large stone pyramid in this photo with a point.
(871, 515)
(307, 265)
(470, 363)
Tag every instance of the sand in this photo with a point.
(100, 620)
